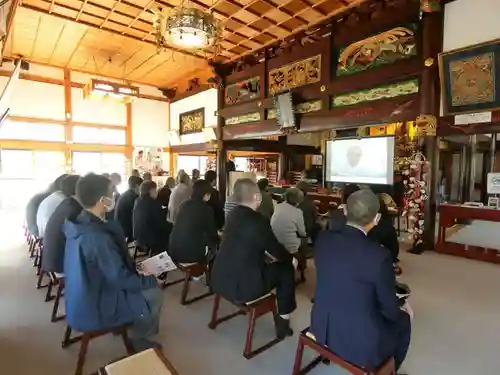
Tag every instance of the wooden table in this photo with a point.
(450, 217)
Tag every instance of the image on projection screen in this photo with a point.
(363, 161)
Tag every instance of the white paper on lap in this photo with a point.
(158, 264)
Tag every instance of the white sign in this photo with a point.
(493, 183)
(473, 118)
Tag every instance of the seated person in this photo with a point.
(337, 216)
(125, 207)
(49, 205)
(242, 270)
(165, 192)
(288, 221)
(181, 193)
(309, 211)
(195, 175)
(195, 229)
(214, 201)
(34, 204)
(229, 205)
(102, 287)
(384, 232)
(356, 313)
(150, 227)
(266, 207)
(116, 179)
(55, 240)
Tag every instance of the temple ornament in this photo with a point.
(296, 74)
(382, 49)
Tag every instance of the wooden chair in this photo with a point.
(150, 361)
(306, 339)
(56, 281)
(255, 309)
(191, 270)
(87, 336)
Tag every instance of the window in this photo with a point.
(87, 134)
(188, 163)
(32, 131)
(97, 162)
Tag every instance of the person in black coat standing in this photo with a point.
(214, 201)
(54, 240)
(194, 229)
(125, 207)
(150, 226)
(251, 262)
(356, 313)
(384, 232)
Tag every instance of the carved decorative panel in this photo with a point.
(296, 74)
(243, 91)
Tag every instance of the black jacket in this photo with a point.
(194, 229)
(124, 211)
(54, 240)
(385, 234)
(310, 212)
(164, 195)
(32, 209)
(150, 225)
(217, 207)
(239, 267)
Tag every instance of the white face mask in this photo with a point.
(109, 203)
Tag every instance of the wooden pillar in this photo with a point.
(432, 42)
(284, 159)
(222, 173)
(68, 116)
(128, 139)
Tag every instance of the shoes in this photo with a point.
(283, 329)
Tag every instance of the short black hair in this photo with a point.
(210, 176)
(200, 189)
(348, 190)
(146, 187)
(147, 176)
(91, 188)
(263, 183)
(57, 184)
(134, 181)
(68, 185)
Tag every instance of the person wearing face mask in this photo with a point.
(194, 230)
(125, 206)
(356, 313)
(250, 261)
(150, 227)
(102, 287)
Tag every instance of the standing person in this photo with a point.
(356, 313)
(251, 262)
(49, 205)
(266, 206)
(54, 240)
(149, 225)
(288, 221)
(214, 201)
(135, 173)
(125, 207)
(102, 286)
(195, 175)
(194, 236)
(116, 179)
(165, 192)
(180, 193)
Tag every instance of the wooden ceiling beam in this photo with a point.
(80, 11)
(57, 42)
(105, 28)
(10, 21)
(111, 11)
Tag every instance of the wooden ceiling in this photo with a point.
(115, 37)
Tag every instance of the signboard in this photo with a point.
(493, 183)
(473, 118)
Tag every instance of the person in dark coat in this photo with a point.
(36, 201)
(102, 287)
(337, 216)
(125, 207)
(194, 230)
(165, 192)
(150, 226)
(309, 210)
(250, 261)
(54, 241)
(266, 207)
(356, 313)
(384, 232)
(214, 201)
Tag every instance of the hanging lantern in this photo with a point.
(430, 6)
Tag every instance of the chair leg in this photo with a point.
(54, 318)
(40, 280)
(82, 354)
(126, 342)
(67, 336)
(251, 328)
(185, 287)
(215, 310)
(298, 358)
(48, 296)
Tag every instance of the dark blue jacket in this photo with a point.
(103, 289)
(355, 308)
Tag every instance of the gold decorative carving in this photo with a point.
(426, 125)
(429, 62)
(243, 119)
(301, 108)
(296, 74)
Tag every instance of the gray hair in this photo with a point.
(294, 196)
(244, 190)
(362, 207)
(182, 177)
